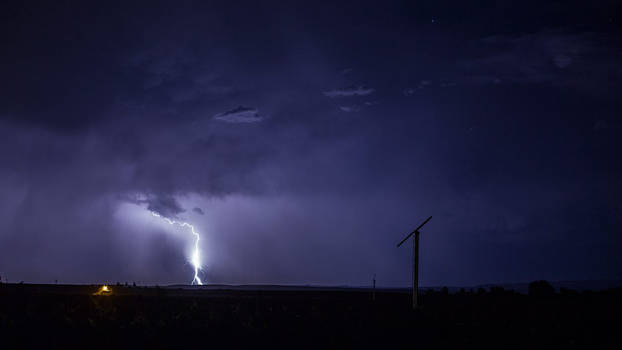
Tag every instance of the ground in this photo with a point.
(138, 317)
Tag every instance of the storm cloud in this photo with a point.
(506, 135)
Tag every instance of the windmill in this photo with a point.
(415, 259)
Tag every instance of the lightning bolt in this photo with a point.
(195, 259)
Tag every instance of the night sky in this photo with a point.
(304, 141)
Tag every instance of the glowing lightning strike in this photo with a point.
(195, 259)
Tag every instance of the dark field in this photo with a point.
(59, 316)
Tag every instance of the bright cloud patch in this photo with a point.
(350, 91)
(349, 109)
(240, 115)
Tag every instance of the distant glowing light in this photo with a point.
(195, 258)
(103, 290)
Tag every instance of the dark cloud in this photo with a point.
(563, 58)
(240, 115)
(164, 205)
(108, 113)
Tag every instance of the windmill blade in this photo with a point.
(415, 230)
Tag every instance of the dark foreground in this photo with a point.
(141, 318)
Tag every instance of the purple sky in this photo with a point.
(305, 141)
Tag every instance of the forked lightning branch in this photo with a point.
(195, 258)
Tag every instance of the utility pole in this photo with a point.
(416, 234)
(373, 296)
(415, 269)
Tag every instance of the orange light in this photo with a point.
(103, 290)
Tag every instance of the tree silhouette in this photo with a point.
(541, 289)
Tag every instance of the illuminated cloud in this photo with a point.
(350, 109)
(424, 84)
(350, 91)
(346, 71)
(408, 91)
(447, 83)
(240, 115)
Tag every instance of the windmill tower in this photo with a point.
(415, 259)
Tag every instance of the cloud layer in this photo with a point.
(507, 135)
